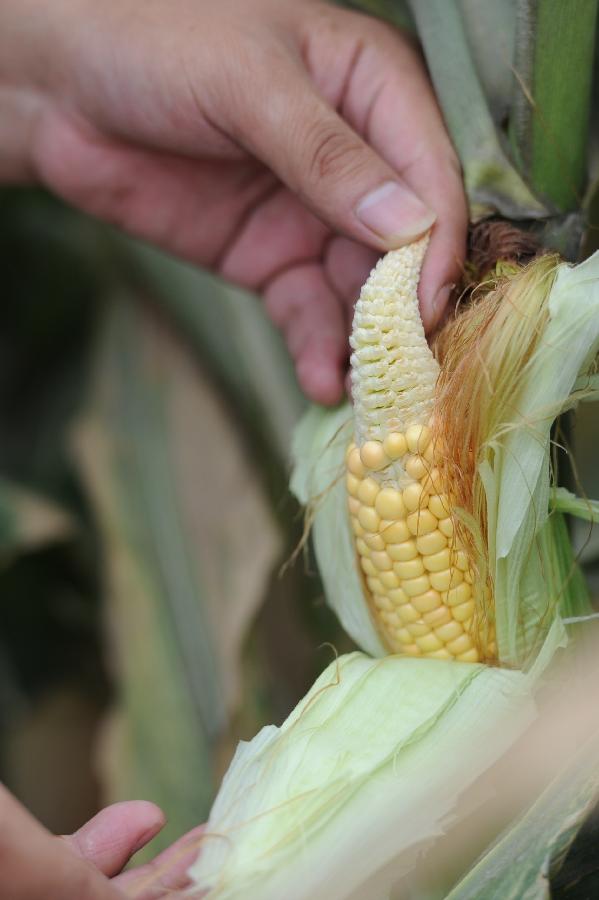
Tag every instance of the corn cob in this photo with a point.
(418, 577)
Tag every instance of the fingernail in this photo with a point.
(438, 305)
(394, 214)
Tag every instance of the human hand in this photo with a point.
(87, 865)
(284, 144)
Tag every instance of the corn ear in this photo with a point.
(343, 799)
(554, 368)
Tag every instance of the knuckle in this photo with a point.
(333, 153)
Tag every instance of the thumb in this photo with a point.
(35, 864)
(110, 839)
(319, 157)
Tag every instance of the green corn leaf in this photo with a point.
(492, 181)
(549, 122)
(189, 542)
(565, 501)
(320, 442)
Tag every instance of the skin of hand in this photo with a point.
(285, 144)
(87, 865)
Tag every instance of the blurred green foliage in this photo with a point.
(146, 412)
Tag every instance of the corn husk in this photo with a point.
(371, 769)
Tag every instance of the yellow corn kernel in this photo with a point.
(389, 504)
(426, 602)
(374, 541)
(367, 491)
(421, 522)
(415, 586)
(382, 601)
(362, 547)
(446, 527)
(443, 653)
(431, 543)
(403, 552)
(436, 562)
(416, 467)
(439, 505)
(461, 644)
(449, 632)
(418, 629)
(446, 580)
(418, 438)
(367, 518)
(375, 585)
(397, 596)
(412, 568)
(356, 527)
(438, 616)
(458, 595)
(433, 482)
(389, 579)
(463, 611)
(355, 464)
(429, 643)
(394, 532)
(367, 566)
(407, 613)
(352, 484)
(395, 445)
(381, 560)
(373, 456)
(414, 496)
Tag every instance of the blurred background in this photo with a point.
(147, 618)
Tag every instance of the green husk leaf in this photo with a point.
(356, 766)
(319, 446)
(565, 501)
(517, 481)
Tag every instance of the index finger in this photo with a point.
(166, 873)
(391, 102)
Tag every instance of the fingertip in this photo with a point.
(115, 833)
(441, 272)
(138, 812)
(432, 311)
(394, 215)
(319, 378)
